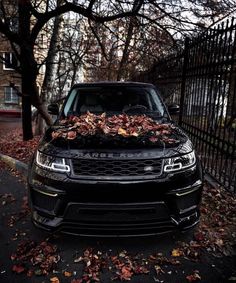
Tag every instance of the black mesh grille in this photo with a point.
(111, 167)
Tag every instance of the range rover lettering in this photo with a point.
(114, 164)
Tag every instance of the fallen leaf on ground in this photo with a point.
(67, 274)
(18, 268)
(193, 277)
(54, 280)
(176, 252)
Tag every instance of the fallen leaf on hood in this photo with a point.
(122, 132)
(124, 128)
(153, 139)
(71, 135)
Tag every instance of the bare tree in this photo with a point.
(170, 16)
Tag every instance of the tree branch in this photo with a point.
(43, 18)
(11, 36)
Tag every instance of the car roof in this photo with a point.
(113, 83)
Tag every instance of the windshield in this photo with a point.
(114, 100)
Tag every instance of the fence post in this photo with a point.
(183, 79)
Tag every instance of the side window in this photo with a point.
(10, 61)
(69, 102)
(10, 95)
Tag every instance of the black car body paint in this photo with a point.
(115, 191)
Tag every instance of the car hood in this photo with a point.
(67, 149)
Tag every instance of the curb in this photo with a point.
(15, 164)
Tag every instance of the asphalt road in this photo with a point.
(210, 269)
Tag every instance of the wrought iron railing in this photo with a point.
(202, 79)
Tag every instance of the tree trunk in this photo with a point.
(30, 95)
(126, 49)
(28, 70)
(46, 94)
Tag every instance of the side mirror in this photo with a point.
(173, 109)
(53, 109)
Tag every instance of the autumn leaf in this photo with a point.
(219, 242)
(126, 273)
(199, 236)
(30, 273)
(136, 126)
(193, 277)
(56, 134)
(54, 280)
(176, 252)
(67, 274)
(71, 135)
(122, 132)
(38, 272)
(17, 268)
(158, 269)
(153, 139)
(41, 258)
(77, 281)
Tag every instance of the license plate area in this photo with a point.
(116, 213)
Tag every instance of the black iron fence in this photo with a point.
(202, 80)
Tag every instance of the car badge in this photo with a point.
(148, 168)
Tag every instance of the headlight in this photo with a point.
(180, 162)
(50, 162)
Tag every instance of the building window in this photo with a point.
(10, 61)
(11, 96)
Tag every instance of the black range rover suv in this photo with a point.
(111, 190)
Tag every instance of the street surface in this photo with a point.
(13, 232)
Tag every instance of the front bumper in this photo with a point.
(107, 208)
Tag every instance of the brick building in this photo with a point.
(10, 102)
(10, 79)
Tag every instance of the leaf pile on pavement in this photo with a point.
(216, 232)
(12, 144)
(34, 259)
(93, 265)
(122, 266)
(6, 199)
(123, 126)
(125, 266)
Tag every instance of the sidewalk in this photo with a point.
(6, 122)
